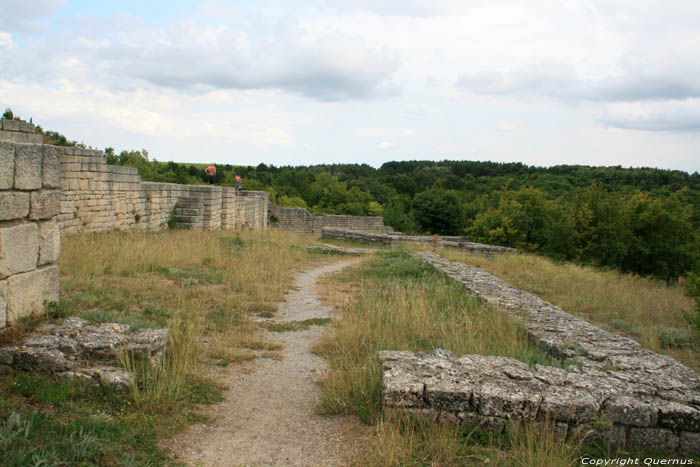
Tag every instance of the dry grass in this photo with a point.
(395, 302)
(195, 283)
(647, 310)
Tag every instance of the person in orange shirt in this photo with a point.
(211, 173)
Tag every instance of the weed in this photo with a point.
(173, 219)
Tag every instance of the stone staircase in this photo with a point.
(189, 212)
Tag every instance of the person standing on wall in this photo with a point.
(211, 173)
(239, 185)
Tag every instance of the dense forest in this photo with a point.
(639, 220)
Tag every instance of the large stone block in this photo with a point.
(28, 167)
(13, 205)
(3, 304)
(18, 137)
(27, 293)
(49, 242)
(44, 204)
(10, 125)
(19, 249)
(51, 168)
(7, 165)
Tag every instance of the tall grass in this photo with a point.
(650, 311)
(203, 286)
(399, 303)
(191, 282)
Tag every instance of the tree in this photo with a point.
(438, 211)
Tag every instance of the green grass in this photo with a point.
(290, 326)
(72, 423)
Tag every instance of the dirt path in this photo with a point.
(269, 416)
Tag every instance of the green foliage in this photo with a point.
(8, 115)
(96, 426)
(439, 211)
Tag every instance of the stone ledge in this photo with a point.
(394, 238)
(490, 391)
(77, 349)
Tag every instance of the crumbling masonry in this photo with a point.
(620, 393)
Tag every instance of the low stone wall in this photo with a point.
(30, 241)
(299, 220)
(621, 392)
(396, 238)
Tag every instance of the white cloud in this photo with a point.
(384, 145)
(655, 116)
(28, 17)
(195, 58)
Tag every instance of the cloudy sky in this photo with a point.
(544, 82)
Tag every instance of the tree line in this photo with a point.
(640, 220)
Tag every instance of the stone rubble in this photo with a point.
(77, 349)
(620, 393)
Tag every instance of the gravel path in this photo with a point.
(269, 416)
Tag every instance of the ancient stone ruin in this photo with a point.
(618, 393)
(48, 190)
(396, 238)
(77, 349)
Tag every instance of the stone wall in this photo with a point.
(618, 391)
(299, 220)
(97, 196)
(46, 190)
(29, 233)
(19, 132)
(394, 238)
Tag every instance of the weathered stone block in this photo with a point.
(630, 411)
(51, 168)
(3, 304)
(35, 139)
(10, 125)
(13, 205)
(18, 137)
(658, 438)
(49, 242)
(44, 204)
(690, 443)
(26, 127)
(19, 249)
(28, 167)
(679, 416)
(7, 165)
(28, 292)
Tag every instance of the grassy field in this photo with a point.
(201, 285)
(647, 310)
